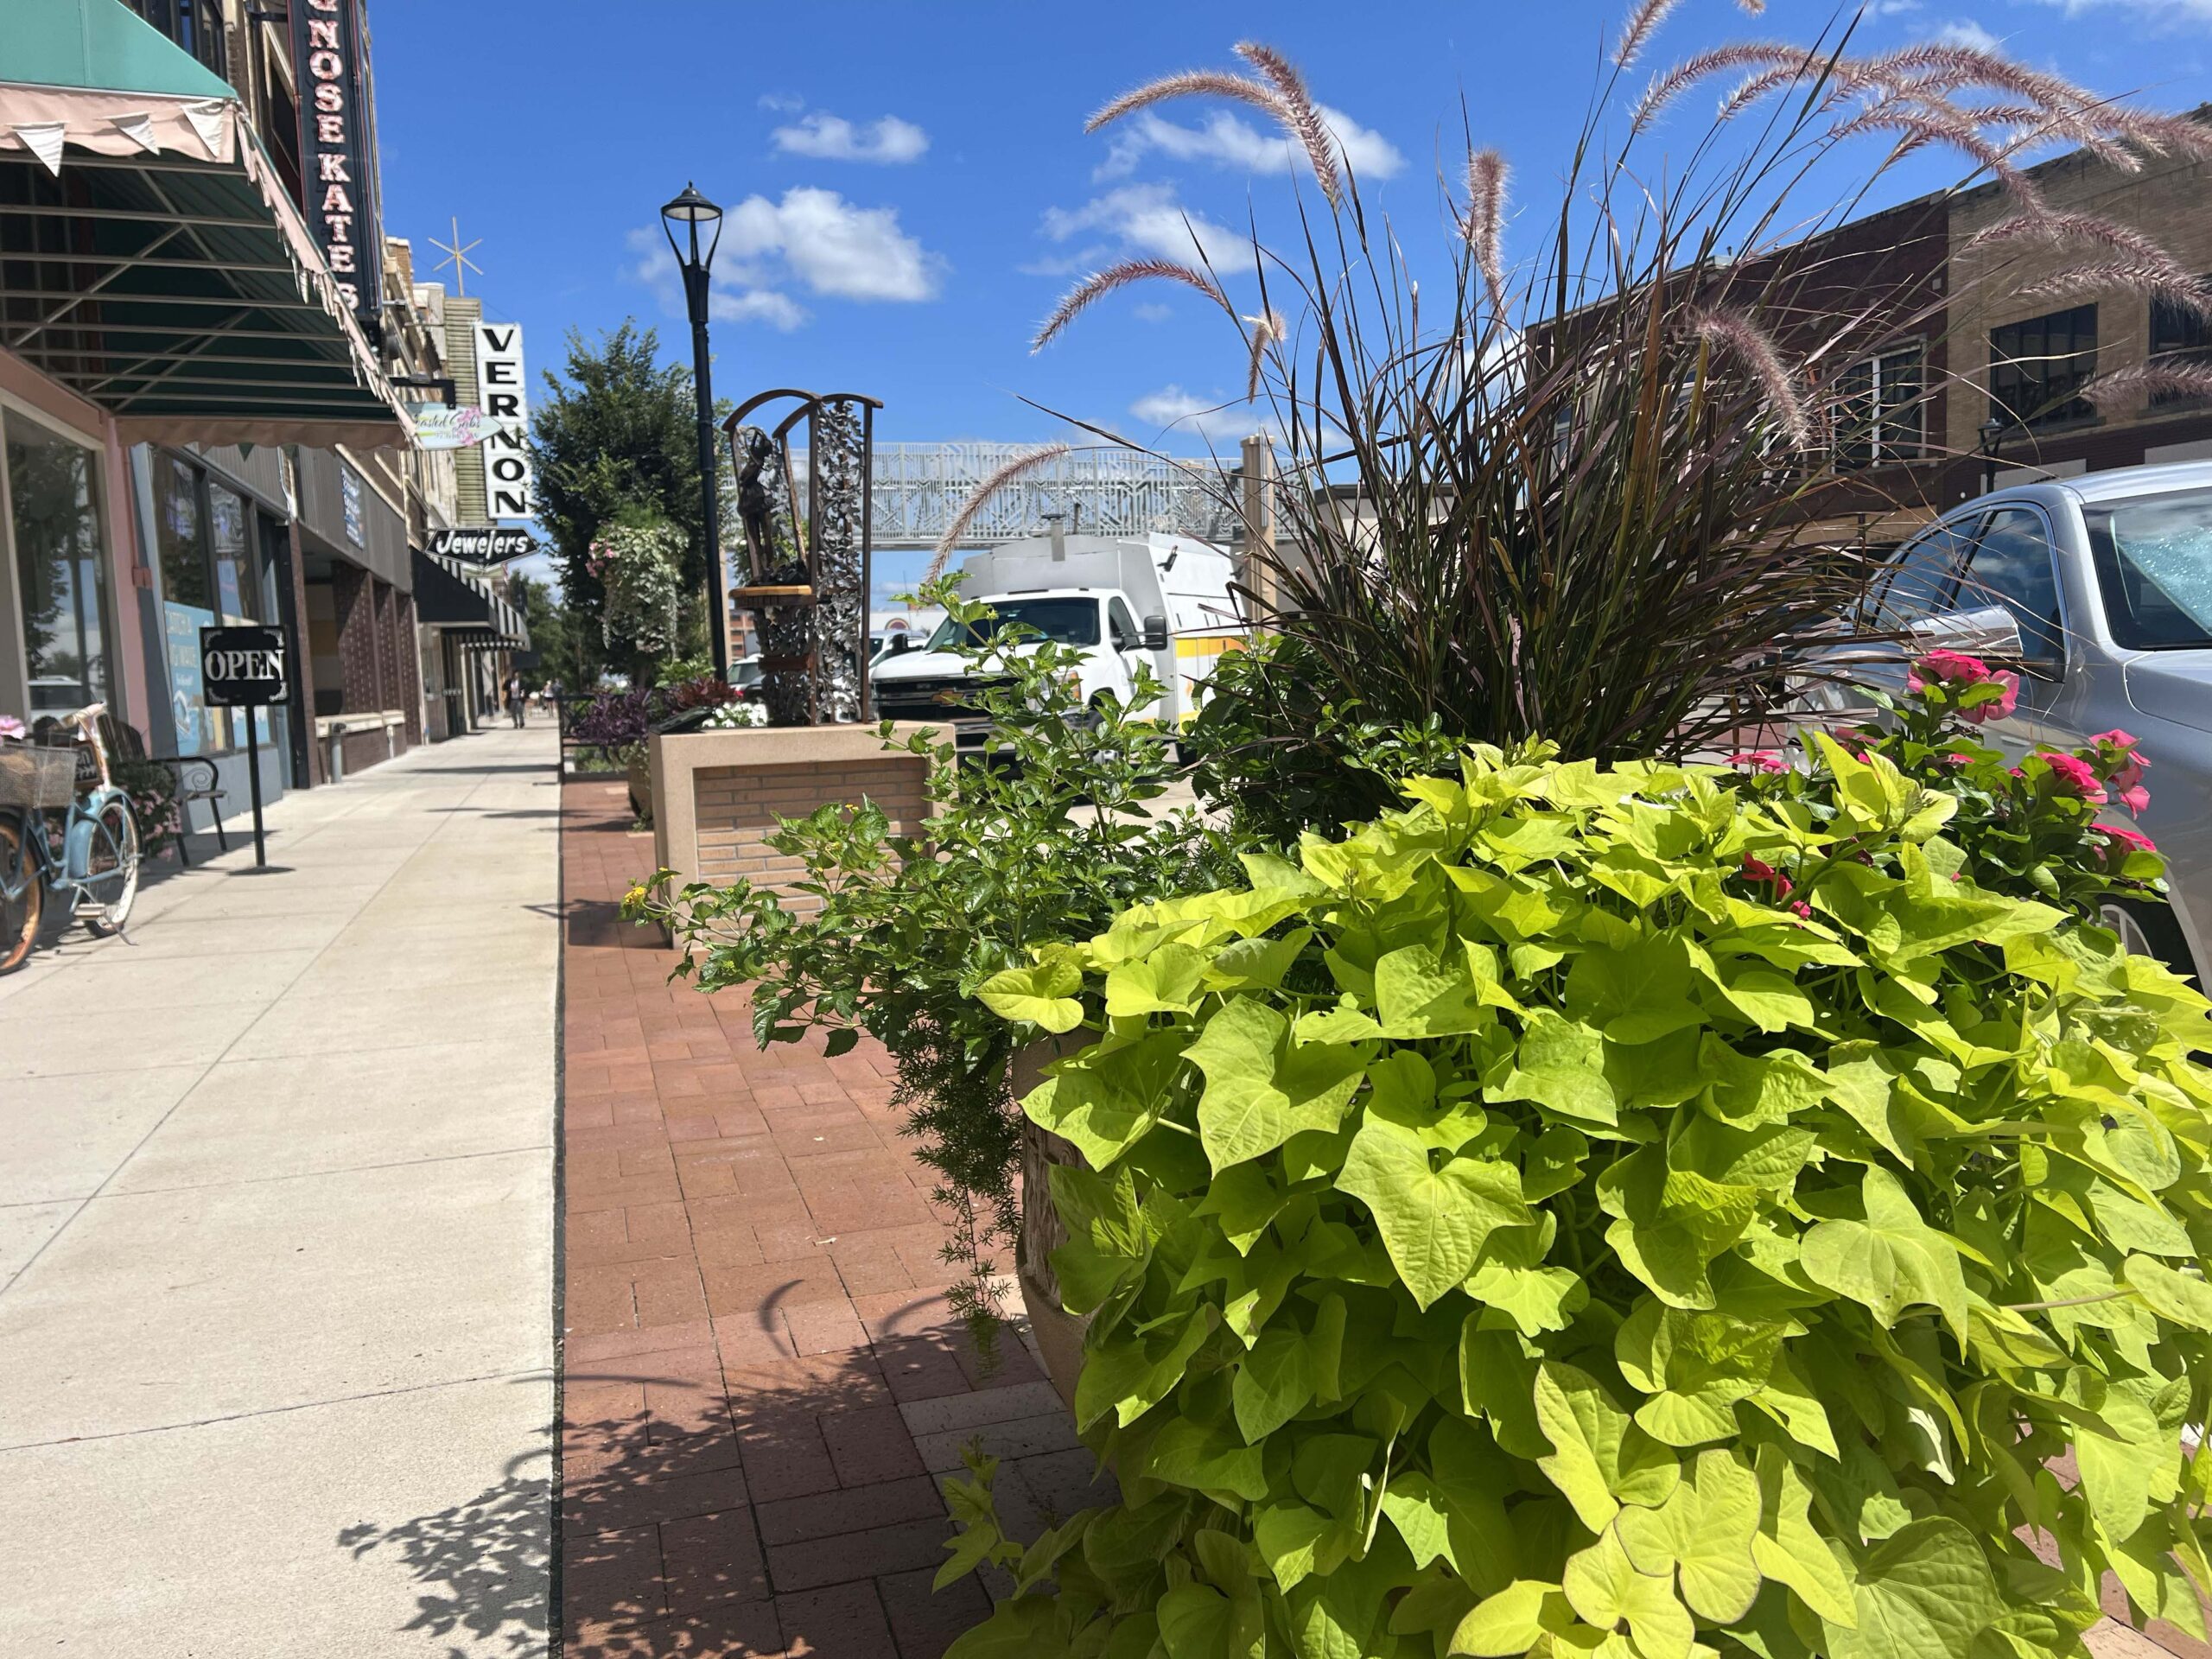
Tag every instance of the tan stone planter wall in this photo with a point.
(717, 794)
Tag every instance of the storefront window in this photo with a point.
(54, 501)
(210, 572)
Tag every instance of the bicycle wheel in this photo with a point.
(112, 882)
(19, 916)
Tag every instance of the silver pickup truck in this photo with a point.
(2098, 590)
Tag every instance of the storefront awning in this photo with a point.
(444, 599)
(149, 257)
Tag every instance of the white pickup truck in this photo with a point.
(1161, 600)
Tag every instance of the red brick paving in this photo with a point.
(762, 1381)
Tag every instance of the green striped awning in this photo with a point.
(151, 258)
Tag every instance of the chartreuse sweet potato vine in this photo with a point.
(1518, 1229)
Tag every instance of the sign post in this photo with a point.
(244, 668)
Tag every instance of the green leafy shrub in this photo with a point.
(1645, 1212)
(1043, 844)
(1282, 751)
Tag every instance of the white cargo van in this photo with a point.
(1161, 601)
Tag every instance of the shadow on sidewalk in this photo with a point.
(483, 1564)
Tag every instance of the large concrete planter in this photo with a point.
(718, 796)
(1058, 1333)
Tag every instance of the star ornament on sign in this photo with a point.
(456, 252)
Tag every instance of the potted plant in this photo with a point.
(1043, 844)
(1676, 1205)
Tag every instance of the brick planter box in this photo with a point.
(717, 794)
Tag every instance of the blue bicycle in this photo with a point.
(64, 827)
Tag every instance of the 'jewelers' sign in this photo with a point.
(508, 480)
(338, 182)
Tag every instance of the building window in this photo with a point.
(211, 572)
(1881, 405)
(54, 509)
(2038, 365)
(195, 25)
(2178, 334)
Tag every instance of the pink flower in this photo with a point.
(2135, 799)
(10, 727)
(2133, 839)
(1759, 870)
(2010, 684)
(1804, 910)
(2075, 776)
(1950, 668)
(1759, 760)
(1956, 759)
(2116, 738)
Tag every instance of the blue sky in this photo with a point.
(909, 187)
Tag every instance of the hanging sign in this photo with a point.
(438, 427)
(509, 490)
(338, 183)
(482, 545)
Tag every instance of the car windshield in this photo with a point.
(2153, 556)
(1068, 621)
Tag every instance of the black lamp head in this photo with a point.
(695, 216)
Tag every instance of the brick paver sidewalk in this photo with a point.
(763, 1384)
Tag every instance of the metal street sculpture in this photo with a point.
(808, 561)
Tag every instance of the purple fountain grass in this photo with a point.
(1190, 83)
(1590, 505)
(1098, 284)
(1267, 330)
(1745, 341)
(1299, 115)
(1487, 176)
(1019, 467)
(1643, 21)
(2123, 386)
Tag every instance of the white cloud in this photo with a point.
(813, 238)
(1148, 217)
(1964, 31)
(1218, 421)
(1153, 311)
(834, 247)
(1892, 8)
(779, 311)
(784, 102)
(1227, 140)
(832, 139)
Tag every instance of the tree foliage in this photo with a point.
(618, 436)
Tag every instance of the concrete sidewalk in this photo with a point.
(276, 1243)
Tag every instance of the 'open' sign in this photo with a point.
(242, 667)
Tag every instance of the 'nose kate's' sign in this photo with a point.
(242, 667)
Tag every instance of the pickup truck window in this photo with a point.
(1126, 636)
(2154, 559)
(2011, 566)
(1069, 622)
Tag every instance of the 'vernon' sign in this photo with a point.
(242, 667)
(508, 482)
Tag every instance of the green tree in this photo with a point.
(617, 434)
(552, 635)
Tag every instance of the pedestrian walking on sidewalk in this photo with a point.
(517, 698)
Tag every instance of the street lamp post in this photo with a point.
(1992, 430)
(687, 220)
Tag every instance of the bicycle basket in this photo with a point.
(32, 778)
